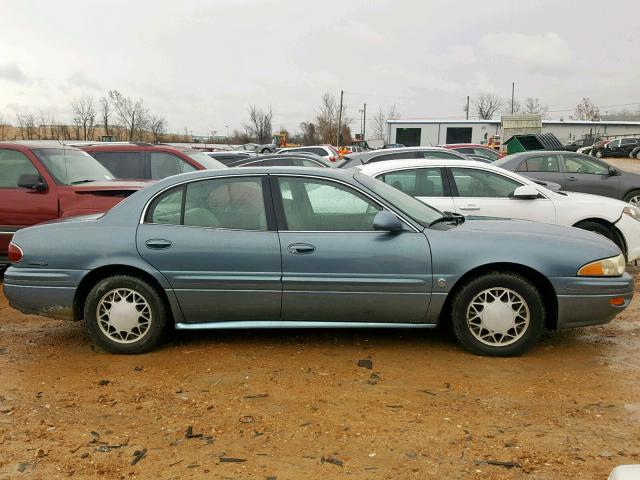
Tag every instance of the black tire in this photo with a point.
(598, 153)
(526, 338)
(600, 229)
(638, 154)
(150, 336)
(633, 193)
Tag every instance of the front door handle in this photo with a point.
(301, 248)
(470, 206)
(158, 244)
(572, 179)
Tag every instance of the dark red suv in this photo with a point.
(146, 161)
(41, 182)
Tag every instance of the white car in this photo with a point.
(475, 188)
(328, 152)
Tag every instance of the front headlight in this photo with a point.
(633, 212)
(607, 267)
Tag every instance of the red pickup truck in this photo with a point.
(44, 181)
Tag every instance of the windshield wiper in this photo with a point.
(86, 180)
(449, 217)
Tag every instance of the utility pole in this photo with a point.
(467, 107)
(339, 119)
(513, 88)
(364, 122)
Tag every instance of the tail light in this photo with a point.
(15, 253)
(332, 158)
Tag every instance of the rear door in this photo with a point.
(543, 166)
(21, 207)
(336, 267)
(486, 193)
(427, 184)
(588, 175)
(216, 243)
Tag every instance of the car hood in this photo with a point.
(589, 199)
(552, 250)
(537, 232)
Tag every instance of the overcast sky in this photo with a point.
(202, 63)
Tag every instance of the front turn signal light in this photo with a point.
(607, 267)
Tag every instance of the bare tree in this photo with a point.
(260, 124)
(507, 109)
(157, 125)
(105, 113)
(27, 125)
(486, 105)
(84, 116)
(309, 133)
(327, 118)
(4, 128)
(380, 119)
(132, 115)
(586, 110)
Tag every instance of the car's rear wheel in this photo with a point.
(125, 314)
(633, 197)
(498, 314)
(638, 155)
(599, 154)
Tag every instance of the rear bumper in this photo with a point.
(49, 293)
(586, 301)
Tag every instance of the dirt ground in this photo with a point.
(296, 405)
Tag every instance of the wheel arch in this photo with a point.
(541, 282)
(100, 273)
(621, 242)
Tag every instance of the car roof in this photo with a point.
(117, 146)
(364, 156)
(36, 144)
(390, 165)
(450, 145)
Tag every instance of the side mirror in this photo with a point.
(525, 192)
(32, 182)
(387, 222)
(612, 172)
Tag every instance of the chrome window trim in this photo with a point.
(260, 175)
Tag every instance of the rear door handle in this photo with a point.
(470, 206)
(158, 244)
(301, 248)
(572, 179)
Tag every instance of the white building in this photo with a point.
(438, 132)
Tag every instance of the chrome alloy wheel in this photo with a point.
(498, 316)
(635, 200)
(124, 315)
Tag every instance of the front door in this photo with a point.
(212, 241)
(21, 207)
(336, 267)
(587, 175)
(480, 192)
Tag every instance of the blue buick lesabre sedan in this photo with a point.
(304, 247)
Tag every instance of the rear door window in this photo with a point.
(419, 182)
(123, 164)
(543, 163)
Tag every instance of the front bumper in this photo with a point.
(584, 301)
(49, 293)
(630, 229)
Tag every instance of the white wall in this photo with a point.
(436, 133)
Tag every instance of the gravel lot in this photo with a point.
(296, 404)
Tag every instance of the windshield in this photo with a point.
(205, 160)
(69, 166)
(416, 210)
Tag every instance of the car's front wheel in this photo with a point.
(498, 314)
(125, 314)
